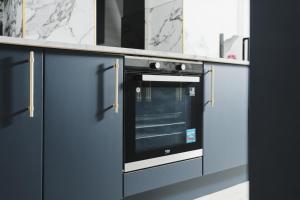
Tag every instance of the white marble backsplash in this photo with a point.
(1, 16)
(71, 21)
(164, 25)
(12, 18)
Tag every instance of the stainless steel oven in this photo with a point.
(163, 113)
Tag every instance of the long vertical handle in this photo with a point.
(31, 84)
(116, 101)
(212, 97)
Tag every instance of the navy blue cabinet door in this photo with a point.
(225, 140)
(83, 133)
(20, 136)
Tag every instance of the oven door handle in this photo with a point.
(165, 78)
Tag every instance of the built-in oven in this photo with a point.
(163, 112)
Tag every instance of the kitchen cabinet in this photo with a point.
(21, 135)
(225, 139)
(161, 176)
(83, 130)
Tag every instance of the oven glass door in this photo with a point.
(163, 115)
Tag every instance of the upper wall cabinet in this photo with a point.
(21, 131)
(225, 140)
(83, 126)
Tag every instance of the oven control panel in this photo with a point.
(172, 66)
(163, 65)
(181, 67)
(154, 65)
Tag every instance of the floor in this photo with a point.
(238, 192)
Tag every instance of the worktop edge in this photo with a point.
(114, 50)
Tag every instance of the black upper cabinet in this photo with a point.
(20, 136)
(83, 133)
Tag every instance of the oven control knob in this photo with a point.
(181, 67)
(155, 65)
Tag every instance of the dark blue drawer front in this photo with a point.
(156, 177)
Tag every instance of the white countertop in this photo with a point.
(114, 50)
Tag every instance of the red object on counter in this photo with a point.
(231, 56)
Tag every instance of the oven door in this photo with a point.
(163, 119)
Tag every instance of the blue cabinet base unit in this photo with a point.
(195, 188)
(225, 138)
(83, 133)
(156, 177)
(21, 136)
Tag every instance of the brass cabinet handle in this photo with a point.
(212, 97)
(31, 84)
(116, 101)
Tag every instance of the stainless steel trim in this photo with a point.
(31, 84)
(159, 135)
(163, 78)
(133, 166)
(159, 125)
(164, 60)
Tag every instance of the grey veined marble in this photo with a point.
(71, 21)
(164, 25)
(12, 18)
(1, 17)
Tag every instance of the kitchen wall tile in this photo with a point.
(1, 16)
(164, 25)
(12, 18)
(71, 21)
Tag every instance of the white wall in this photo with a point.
(204, 20)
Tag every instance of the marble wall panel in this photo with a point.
(164, 25)
(1, 16)
(12, 18)
(70, 21)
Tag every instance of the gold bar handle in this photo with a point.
(116, 101)
(31, 84)
(212, 97)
